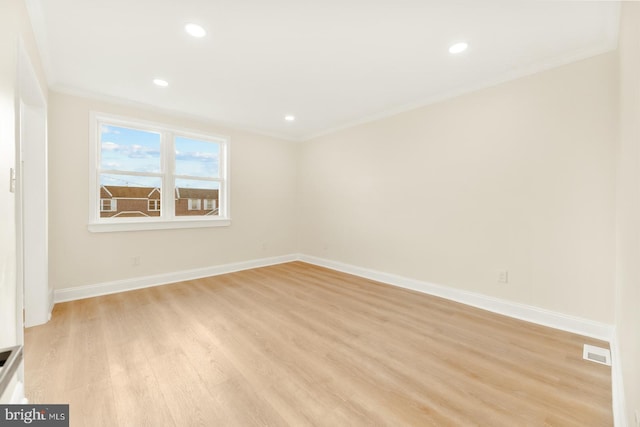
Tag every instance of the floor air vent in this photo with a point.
(597, 354)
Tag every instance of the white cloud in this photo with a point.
(196, 155)
(134, 151)
(105, 129)
(110, 146)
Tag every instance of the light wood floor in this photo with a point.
(299, 345)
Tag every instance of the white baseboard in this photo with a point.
(617, 385)
(525, 312)
(81, 292)
(52, 302)
(508, 308)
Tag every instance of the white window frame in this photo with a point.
(196, 202)
(167, 218)
(209, 204)
(113, 205)
(155, 203)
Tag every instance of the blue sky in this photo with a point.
(131, 150)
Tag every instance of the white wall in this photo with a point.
(262, 205)
(8, 64)
(14, 25)
(14, 30)
(519, 176)
(628, 203)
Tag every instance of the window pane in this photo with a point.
(197, 197)
(197, 158)
(125, 196)
(125, 149)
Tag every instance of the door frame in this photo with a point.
(35, 297)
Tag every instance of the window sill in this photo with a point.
(109, 226)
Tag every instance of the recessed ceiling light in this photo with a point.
(290, 118)
(160, 82)
(458, 47)
(195, 30)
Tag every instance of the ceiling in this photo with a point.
(330, 63)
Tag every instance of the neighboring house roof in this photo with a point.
(196, 193)
(104, 193)
(123, 192)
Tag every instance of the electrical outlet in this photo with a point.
(135, 261)
(503, 276)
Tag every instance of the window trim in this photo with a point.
(168, 177)
(192, 202)
(156, 205)
(113, 205)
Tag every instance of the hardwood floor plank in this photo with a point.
(516, 379)
(136, 388)
(92, 404)
(88, 350)
(296, 345)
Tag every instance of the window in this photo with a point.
(108, 205)
(159, 176)
(194, 204)
(209, 204)
(154, 205)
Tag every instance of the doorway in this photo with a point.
(34, 293)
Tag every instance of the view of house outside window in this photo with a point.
(157, 173)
